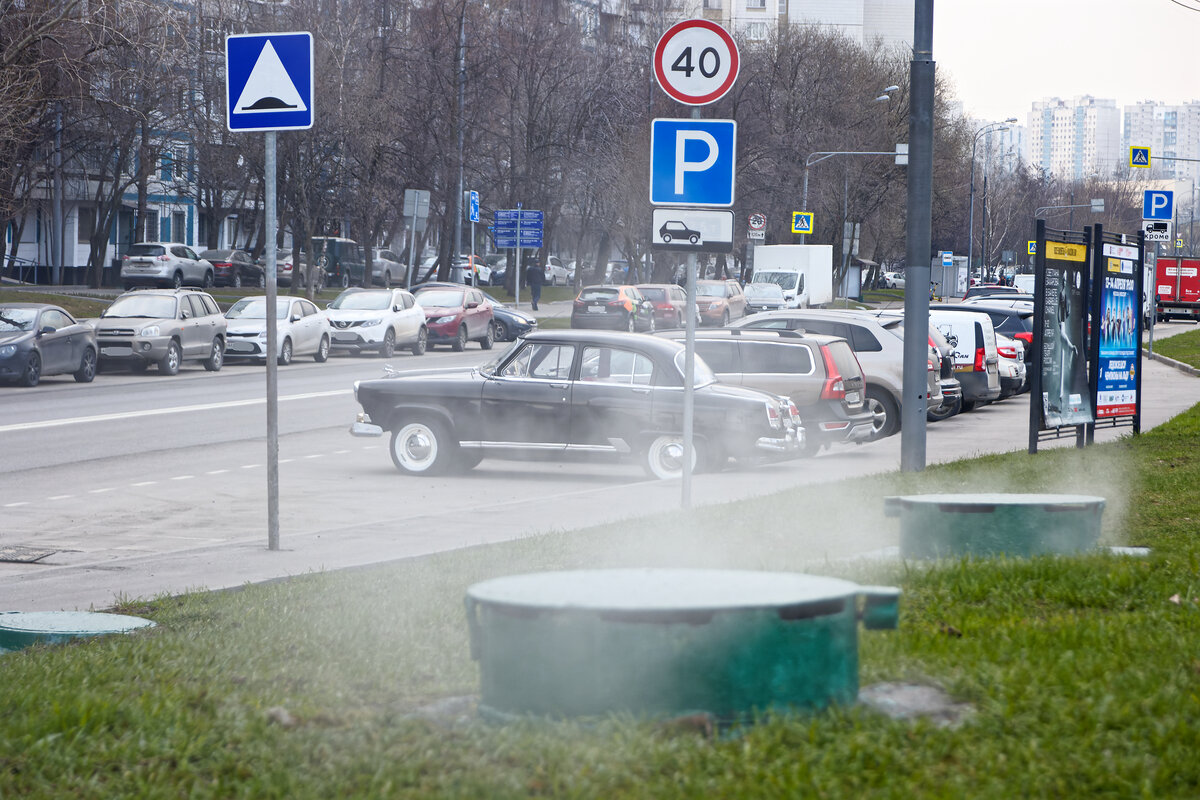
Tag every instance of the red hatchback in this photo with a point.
(456, 315)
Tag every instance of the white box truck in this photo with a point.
(803, 271)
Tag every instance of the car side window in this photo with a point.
(198, 305)
(210, 305)
(189, 253)
(863, 341)
(721, 357)
(408, 299)
(541, 361)
(773, 324)
(792, 359)
(612, 365)
(55, 319)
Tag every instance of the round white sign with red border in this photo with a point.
(696, 62)
(757, 222)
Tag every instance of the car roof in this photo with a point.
(614, 338)
(1008, 311)
(757, 335)
(876, 315)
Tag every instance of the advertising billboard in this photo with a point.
(1116, 385)
(1066, 399)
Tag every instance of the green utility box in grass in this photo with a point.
(1020, 525)
(20, 629)
(669, 642)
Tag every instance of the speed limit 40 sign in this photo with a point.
(696, 62)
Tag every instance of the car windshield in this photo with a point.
(256, 308)
(657, 295)
(362, 301)
(17, 319)
(150, 306)
(146, 250)
(701, 374)
(440, 298)
(599, 294)
(220, 255)
(784, 280)
(764, 290)
(711, 289)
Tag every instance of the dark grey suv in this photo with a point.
(820, 374)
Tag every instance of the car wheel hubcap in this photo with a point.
(416, 447)
(878, 414)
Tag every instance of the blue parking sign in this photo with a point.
(1158, 204)
(692, 162)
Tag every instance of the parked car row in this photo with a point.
(164, 328)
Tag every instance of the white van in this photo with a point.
(976, 360)
(1024, 282)
(791, 281)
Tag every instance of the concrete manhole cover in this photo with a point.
(23, 555)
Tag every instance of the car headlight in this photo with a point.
(441, 320)
(149, 330)
(371, 323)
(7, 350)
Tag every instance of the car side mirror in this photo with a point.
(47, 329)
(296, 317)
(472, 304)
(186, 315)
(397, 308)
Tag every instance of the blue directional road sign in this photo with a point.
(472, 206)
(518, 227)
(692, 162)
(1158, 204)
(269, 81)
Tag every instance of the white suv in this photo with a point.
(166, 264)
(379, 320)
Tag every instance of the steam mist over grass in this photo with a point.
(1083, 670)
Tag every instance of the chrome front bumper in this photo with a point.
(365, 429)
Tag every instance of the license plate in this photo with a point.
(344, 337)
(597, 310)
(853, 398)
(239, 347)
(119, 350)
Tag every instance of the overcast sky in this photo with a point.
(1003, 55)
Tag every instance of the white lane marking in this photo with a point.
(146, 483)
(57, 423)
(61, 497)
(340, 452)
(314, 455)
(14, 505)
(183, 477)
(216, 472)
(250, 466)
(101, 491)
(286, 460)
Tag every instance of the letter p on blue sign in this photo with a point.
(1158, 204)
(692, 162)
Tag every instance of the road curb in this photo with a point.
(1170, 362)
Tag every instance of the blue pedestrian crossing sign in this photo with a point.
(1139, 157)
(269, 81)
(802, 222)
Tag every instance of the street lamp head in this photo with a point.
(1011, 120)
(883, 98)
(892, 88)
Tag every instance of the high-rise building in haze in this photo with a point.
(862, 21)
(1170, 132)
(1075, 138)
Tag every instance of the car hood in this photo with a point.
(439, 311)
(729, 390)
(355, 313)
(113, 323)
(508, 312)
(12, 337)
(243, 326)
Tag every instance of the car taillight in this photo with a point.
(794, 412)
(663, 306)
(580, 304)
(124, 258)
(835, 385)
(929, 366)
(1026, 337)
(164, 257)
(773, 415)
(1007, 352)
(980, 357)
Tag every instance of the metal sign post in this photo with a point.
(268, 87)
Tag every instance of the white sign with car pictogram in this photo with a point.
(692, 230)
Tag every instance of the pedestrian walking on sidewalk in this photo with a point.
(533, 276)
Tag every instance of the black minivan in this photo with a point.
(343, 260)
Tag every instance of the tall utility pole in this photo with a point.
(461, 80)
(920, 224)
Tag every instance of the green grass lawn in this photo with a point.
(1084, 672)
(1183, 347)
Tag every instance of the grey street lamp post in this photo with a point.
(994, 126)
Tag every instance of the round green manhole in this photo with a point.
(20, 629)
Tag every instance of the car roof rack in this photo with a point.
(795, 333)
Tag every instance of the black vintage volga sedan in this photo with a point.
(569, 393)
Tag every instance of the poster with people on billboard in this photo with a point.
(1116, 385)
(1066, 397)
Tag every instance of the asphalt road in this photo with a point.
(139, 485)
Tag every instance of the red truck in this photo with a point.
(1177, 288)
